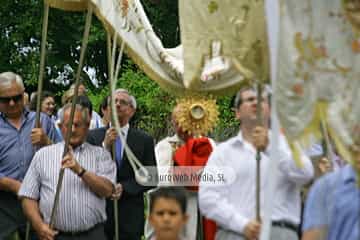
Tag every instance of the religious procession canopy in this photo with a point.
(318, 72)
(223, 42)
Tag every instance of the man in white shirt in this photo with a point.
(232, 206)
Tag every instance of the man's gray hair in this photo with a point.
(132, 98)
(85, 112)
(7, 78)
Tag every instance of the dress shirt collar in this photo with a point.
(239, 141)
(79, 148)
(175, 139)
(125, 129)
(349, 174)
(239, 138)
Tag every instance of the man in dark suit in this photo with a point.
(131, 203)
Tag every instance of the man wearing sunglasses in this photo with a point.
(19, 139)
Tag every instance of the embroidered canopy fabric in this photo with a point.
(224, 42)
(318, 72)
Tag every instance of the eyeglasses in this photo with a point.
(16, 99)
(122, 102)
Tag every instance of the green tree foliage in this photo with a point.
(154, 104)
(20, 40)
(164, 16)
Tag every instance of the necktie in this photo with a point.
(118, 151)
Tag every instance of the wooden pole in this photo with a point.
(327, 147)
(258, 153)
(42, 63)
(72, 113)
(111, 59)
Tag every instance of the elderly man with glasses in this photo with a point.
(131, 203)
(18, 141)
(88, 180)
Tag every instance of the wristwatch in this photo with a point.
(82, 172)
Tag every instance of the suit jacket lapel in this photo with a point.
(135, 143)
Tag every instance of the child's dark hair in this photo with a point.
(176, 193)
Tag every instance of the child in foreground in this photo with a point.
(168, 212)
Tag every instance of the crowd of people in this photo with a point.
(97, 172)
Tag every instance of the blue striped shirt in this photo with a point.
(16, 150)
(333, 203)
(79, 208)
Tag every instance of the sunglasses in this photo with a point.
(16, 98)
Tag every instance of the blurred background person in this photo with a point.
(96, 121)
(105, 111)
(48, 104)
(26, 100)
